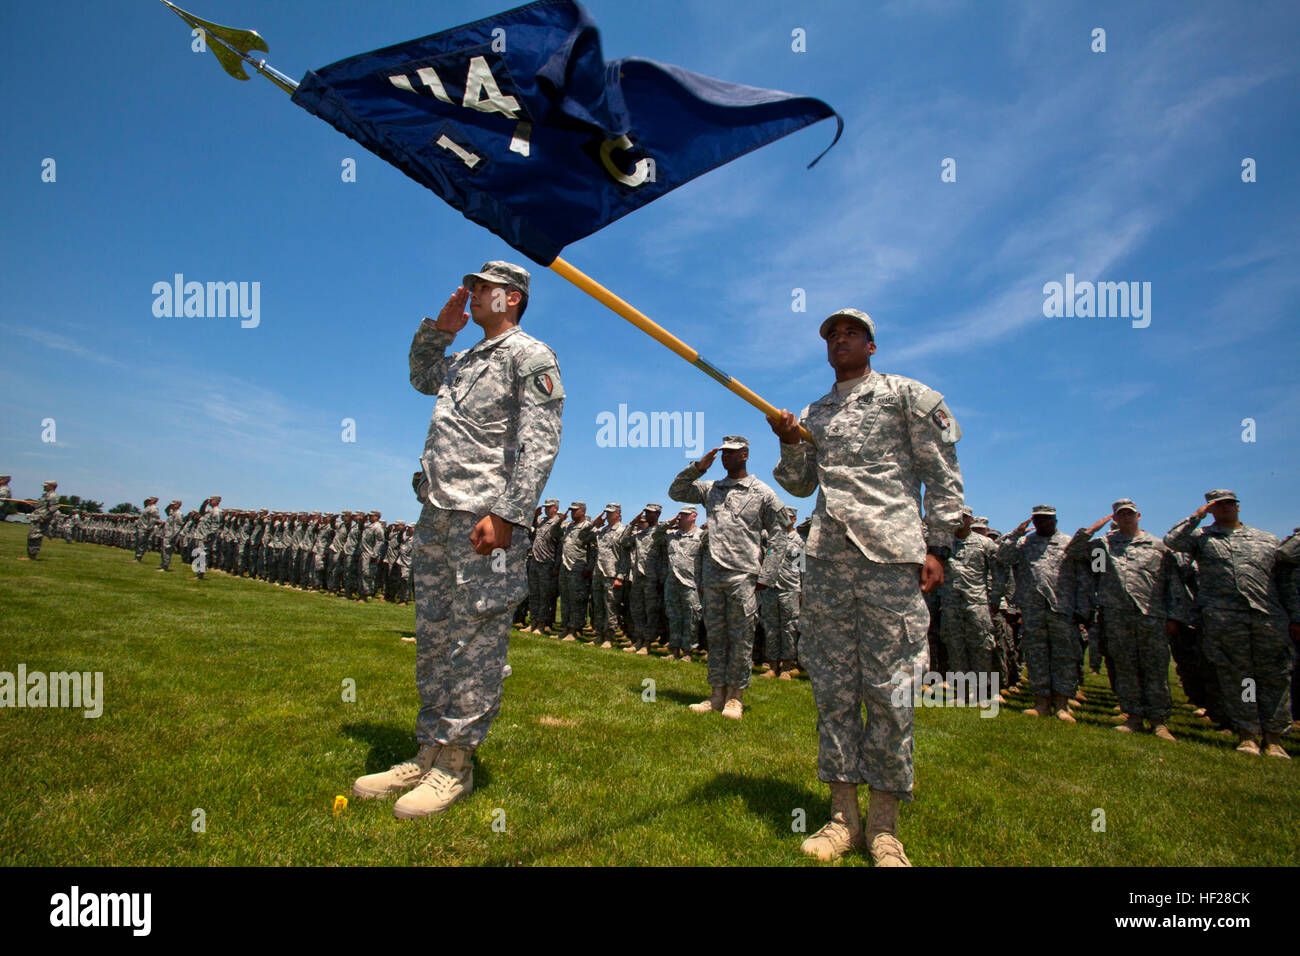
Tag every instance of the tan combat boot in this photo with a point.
(1273, 746)
(770, 672)
(569, 637)
(714, 704)
(1247, 745)
(449, 779)
(1042, 706)
(402, 776)
(734, 706)
(882, 830)
(1161, 731)
(1061, 710)
(1132, 725)
(844, 832)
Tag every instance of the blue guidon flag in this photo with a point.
(518, 122)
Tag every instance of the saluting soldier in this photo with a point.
(489, 450)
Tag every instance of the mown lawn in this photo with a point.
(226, 696)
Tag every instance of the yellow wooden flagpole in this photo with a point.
(664, 337)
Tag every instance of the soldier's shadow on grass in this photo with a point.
(675, 696)
(771, 800)
(390, 744)
(404, 633)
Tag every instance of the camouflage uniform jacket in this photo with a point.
(372, 541)
(578, 546)
(1137, 574)
(739, 511)
(683, 554)
(878, 439)
(611, 549)
(495, 429)
(1236, 569)
(968, 578)
(1041, 566)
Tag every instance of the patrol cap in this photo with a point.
(979, 521)
(1121, 504)
(151, 498)
(655, 508)
(614, 506)
(551, 503)
(687, 510)
(965, 509)
(375, 514)
(578, 504)
(44, 483)
(860, 317)
(1220, 494)
(1047, 510)
(505, 273)
(735, 443)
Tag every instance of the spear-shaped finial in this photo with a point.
(233, 49)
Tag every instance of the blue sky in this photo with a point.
(1115, 166)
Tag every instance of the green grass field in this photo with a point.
(226, 695)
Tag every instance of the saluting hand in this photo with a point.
(704, 463)
(453, 316)
(1098, 526)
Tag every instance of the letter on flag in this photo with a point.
(518, 122)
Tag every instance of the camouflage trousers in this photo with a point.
(168, 545)
(34, 534)
(333, 572)
(1004, 650)
(1139, 650)
(1050, 645)
(606, 612)
(541, 595)
(862, 638)
(573, 599)
(369, 575)
(780, 613)
(644, 606)
(730, 613)
(683, 606)
(463, 605)
(318, 561)
(141, 544)
(1249, 645)
(967, 634)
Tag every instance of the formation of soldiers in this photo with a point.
(349, 554)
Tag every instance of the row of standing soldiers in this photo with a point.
(351, 554)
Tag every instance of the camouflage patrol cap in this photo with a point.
(1221, 494)
(687, 510)
(1047, 510)
(578, 504)
(965, 510)
(1121, 504)
(376, 514)
(551, 503)
(46, 484)
(614, 506)
(655, 508)
(857, 316)
(504, 273)
(979, 521)
(151, 498)
(735, 443)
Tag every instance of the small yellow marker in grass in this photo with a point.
(340, 804)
